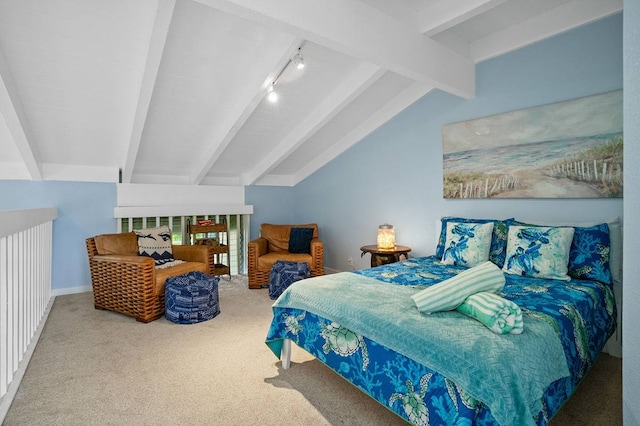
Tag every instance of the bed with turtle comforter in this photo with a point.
(436, 359)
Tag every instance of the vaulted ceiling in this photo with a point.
(174, 91)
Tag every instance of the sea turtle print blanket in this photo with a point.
(579, 315)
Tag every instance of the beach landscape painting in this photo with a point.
(570, 149)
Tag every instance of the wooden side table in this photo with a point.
(384, 256)
(220, 250)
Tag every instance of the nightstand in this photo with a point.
(385, 256)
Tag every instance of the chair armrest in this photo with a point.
(255, 249)
(317, 248)
(191, 253)
(260, 245)
(115, 273)
(317, 254)
(121, 258)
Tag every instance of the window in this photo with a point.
(237, 225)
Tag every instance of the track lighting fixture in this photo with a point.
(298, 61)
(272, 95)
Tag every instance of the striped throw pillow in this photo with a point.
(498, 314)
(449, 294)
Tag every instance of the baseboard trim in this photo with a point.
(71, 290)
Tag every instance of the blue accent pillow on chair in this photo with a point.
(300, 240)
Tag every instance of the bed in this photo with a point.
(447, 367)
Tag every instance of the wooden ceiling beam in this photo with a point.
(392, 108)
(365, 33)
(445, 14)
(157, 43)
(249, 96)
(12, 111)
(344, 93)
(545, 25)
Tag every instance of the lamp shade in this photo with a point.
(386, 237)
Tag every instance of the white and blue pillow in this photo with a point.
(590, 255)
(498, 238)
(155, 243)
(467, 244)
(538, 251)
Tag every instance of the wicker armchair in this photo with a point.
(272, 245)
(130, 284)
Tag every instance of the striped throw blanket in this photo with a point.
(498, 314)
(450, 293)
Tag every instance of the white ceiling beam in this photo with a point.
(80, 173)
(276, 180)
(392, 108)
(445, 14)
(555, 21)
(361, 31)
(249, 96)
(157, 43)
(399, 10)
(342, 94)
(14, 171)
(12, 111)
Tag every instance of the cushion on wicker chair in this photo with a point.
(300, 240)
(155, 243)
(124, 244)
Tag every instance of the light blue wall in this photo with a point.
(631, 289)
(84, 210)
(271, 204)
(356, 192)
(395, 174)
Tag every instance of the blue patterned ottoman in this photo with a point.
(191, 298)
(284, 273)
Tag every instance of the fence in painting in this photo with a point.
(606, 176)
(25, 291)
(588, 171)
(486, 188)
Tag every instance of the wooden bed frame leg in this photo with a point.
(285, 356)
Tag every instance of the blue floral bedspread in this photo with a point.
(582, 313)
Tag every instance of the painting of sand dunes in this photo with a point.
(570, 149)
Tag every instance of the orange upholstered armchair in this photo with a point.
(273, 245)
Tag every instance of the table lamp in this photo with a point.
(386, 237)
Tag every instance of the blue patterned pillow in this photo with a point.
(539, 251)
(589, 258)
(155, 243)
(467, 244)
(498, 248)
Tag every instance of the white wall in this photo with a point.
(631, 291)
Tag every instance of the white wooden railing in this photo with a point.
(25, 292)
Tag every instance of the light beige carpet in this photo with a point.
(101, 368)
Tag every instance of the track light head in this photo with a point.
(298, 60)
(272, 96)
